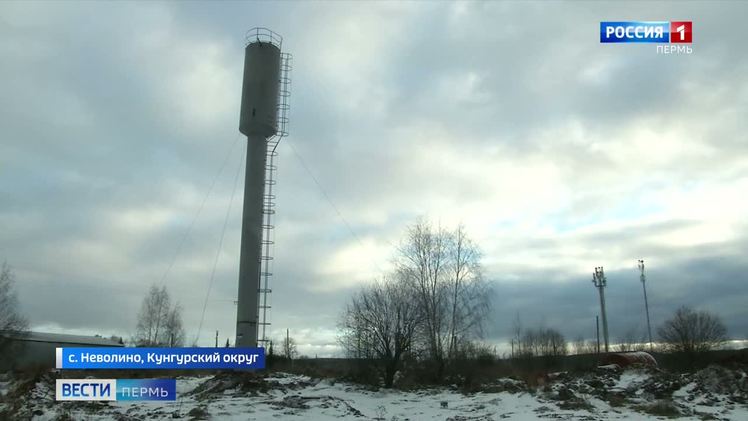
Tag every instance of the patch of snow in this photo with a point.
(286, 378)
(609, 367)
(684, 391)
(187, 384)
(630, 380)
(4, 387)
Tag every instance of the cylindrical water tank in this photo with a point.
(259, 110)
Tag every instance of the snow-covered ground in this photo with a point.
(633, 394)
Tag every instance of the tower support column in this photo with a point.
(251, 243)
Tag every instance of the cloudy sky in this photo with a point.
(557, 152)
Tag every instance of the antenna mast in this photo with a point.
(646, 303)
(599, 280)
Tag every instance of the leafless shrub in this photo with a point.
(380, 323)
(692, 331)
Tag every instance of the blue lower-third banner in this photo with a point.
(160, 358)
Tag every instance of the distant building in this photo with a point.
(37, 349)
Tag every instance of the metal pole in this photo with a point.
(599, 280)
(597, 328)
(605, 318)
(646, 303)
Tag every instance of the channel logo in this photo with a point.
(667, 32)
(680, 32)
(116, 390)
(86, 390)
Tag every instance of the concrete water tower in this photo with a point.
(262, 119)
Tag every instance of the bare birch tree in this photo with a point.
(443, 270)
(159, 324)
(469, 294)
(424, 264)
(173, 329)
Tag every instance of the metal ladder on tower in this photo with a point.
(268, 206)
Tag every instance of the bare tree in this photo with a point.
(289, 347)
(381, 321)
(632, 340)
(424, 264)
(556, 343)
(579, 345)
(11, 320)
(528, 343)
(584, 346)
(591, 347)
(159, 324)
(516, 336)
(627, 341)
(469, 294)
(150, 316)
(173, 329)
(355, 337)
(693, 331)
(443, 270)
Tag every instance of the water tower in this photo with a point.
(263, 118)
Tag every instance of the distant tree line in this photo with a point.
(430, 308)
(688, 331)
(542, 342)
(537, 342)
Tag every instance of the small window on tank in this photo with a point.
(253, 112)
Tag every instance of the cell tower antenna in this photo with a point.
(646, 302)
(599, 280)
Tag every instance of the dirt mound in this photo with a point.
(24, 395)
(504, 385)
(661, 384)
(235, 383)
(296, 404)
(718, 380)
(252, 384)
